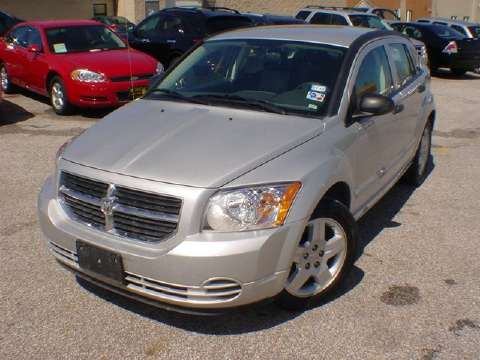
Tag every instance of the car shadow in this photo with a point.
(446, 74)
(267, 315)
(89, 113)
(11, 113)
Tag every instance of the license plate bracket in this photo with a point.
(104, 263)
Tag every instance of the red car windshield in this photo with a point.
(86, 38)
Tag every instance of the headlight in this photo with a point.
(160, 69)
(88, 76)
(251, 208)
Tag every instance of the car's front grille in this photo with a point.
(119, 210)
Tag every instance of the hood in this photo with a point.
(188, 144)
(113, 63)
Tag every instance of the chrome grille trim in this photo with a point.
(119, 210)
(221, 291)
(212, 291)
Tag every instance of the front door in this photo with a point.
(371, 149)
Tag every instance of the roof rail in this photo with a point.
(217, 8)
(329, 7)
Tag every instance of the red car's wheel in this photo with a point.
(58, 97)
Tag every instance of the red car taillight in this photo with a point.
(451, 48)
(113, 27)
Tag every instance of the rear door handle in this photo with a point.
(422, 88)
(398, 108)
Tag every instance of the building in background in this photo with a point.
(468, 10)
(136, 10)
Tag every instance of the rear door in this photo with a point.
(16, 54)
(410, 91)
(36, 62)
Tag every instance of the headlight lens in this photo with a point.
(88, 76)
(250, 208)
(160, 69)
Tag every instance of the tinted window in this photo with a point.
(82, 39)
(440, 23)
(403, 62)
(321, 18)
(150, 24)
(475, 30)
(389, 15)
(459, 29)
(34, 38)
(303, 15)
(412, 32)
(424, 21)
(446, 33)
(19, 36)
(338, 20)
(374, 76)
(295, 76)
(222, 23)
(373, 22)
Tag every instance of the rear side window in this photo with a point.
(374, 75)
(303, 14)
(404, 63)
(338, 20)
(446, 33)
(459, 29)
(19, 36)
(475, 30)
(321, 18)
(412, 32)
(222, 23)
(150, 24)
(372, 22)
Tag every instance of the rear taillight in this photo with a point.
(113, 27)
(451, 48)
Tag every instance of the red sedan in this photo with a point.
(76, 63)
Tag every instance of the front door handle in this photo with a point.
(398, 108)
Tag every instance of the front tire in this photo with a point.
(58, 97)
(417, 172)
(323, 258)
(5, 83)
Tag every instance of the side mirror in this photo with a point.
(376, 105)
(34, 49)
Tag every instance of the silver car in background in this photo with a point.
(240, 176)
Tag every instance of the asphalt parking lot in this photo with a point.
(414, 292)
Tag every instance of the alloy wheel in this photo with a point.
(4, 81)
(319, 258)
(424, 151)
(58, 96)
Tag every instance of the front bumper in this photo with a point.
(108, 94)
(199, 271)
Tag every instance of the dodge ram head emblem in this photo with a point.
(107, 205)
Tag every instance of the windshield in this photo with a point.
(369, 21)
(88, 38)
(281, 75)
(475, 30)
(446, 32)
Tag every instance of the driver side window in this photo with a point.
(374, 75)
(149, 25)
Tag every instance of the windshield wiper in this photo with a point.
(176, 95)
(239, 100)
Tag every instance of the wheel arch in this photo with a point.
(51, 74)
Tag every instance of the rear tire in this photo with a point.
(58, 97)
(323, 258)
(5, 83)
(459, 72)
(417, 172)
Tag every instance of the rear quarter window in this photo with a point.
(321, 18)
(302, 15)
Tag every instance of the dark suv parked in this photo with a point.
(6, 22)
(169, 33)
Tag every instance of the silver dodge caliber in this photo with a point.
(240, 176)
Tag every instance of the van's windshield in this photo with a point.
(269, 75)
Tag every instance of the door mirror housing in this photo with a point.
(375, 105)
(34, 49)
